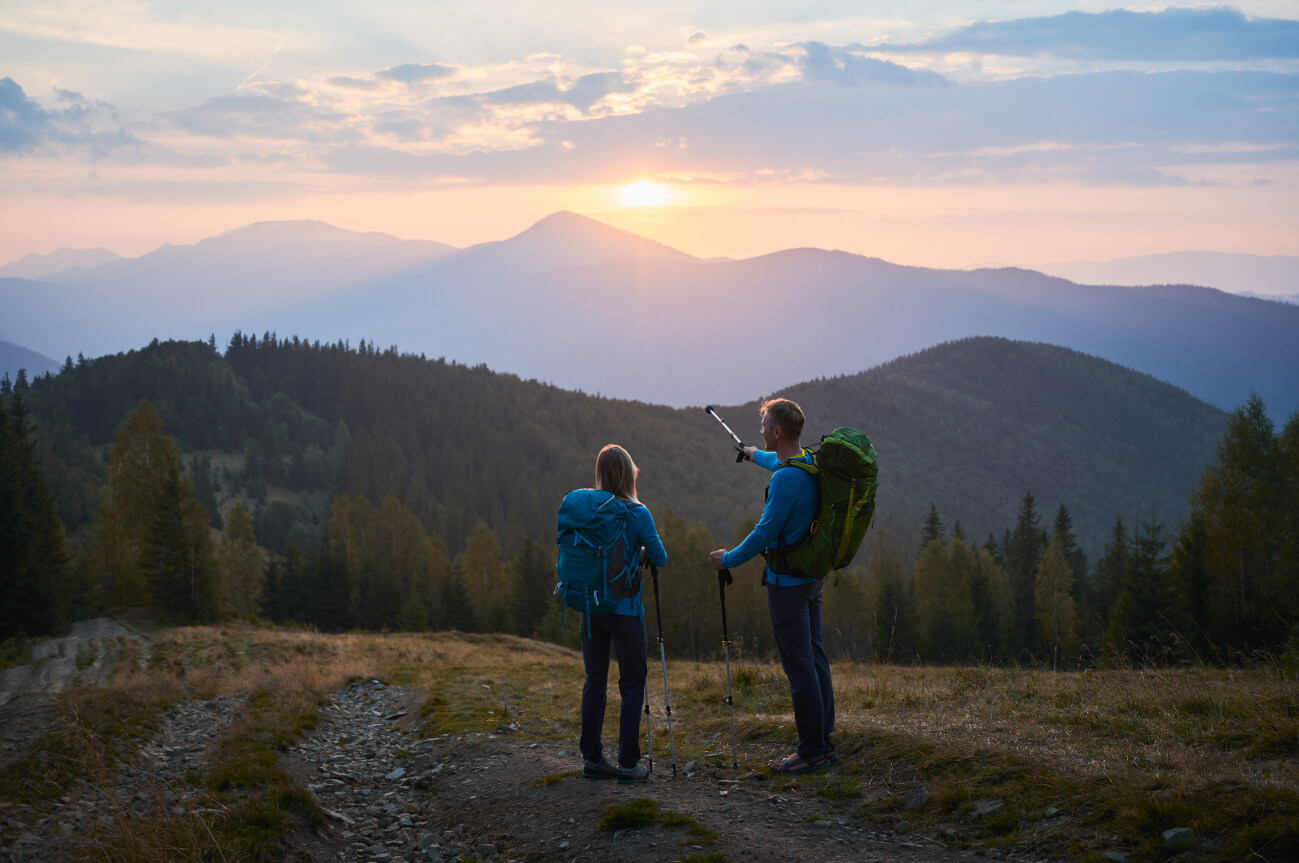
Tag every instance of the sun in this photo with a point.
(643, 193)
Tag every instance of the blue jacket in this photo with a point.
(790, 508)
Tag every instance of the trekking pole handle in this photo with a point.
(654, 575)
(739, 444)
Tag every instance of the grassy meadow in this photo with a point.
(1119, 753)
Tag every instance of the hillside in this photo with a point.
(968, 426)
(14, 357)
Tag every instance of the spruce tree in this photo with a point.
(958, 533)
(1111, 570)
(1021, 566)
(932, 530)
(33, 552)
(1137, 627)
(1239, 499)
(534, 582)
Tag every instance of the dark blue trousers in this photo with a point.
(626, 632)
(796, 623)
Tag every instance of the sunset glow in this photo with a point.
(749, 129)
(643, 193)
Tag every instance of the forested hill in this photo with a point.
(969, 426)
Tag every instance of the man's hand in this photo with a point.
(748, 452)
(715, 558)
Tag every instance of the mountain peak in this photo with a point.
(581, 240)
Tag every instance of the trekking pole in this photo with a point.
(723, 579)
(649, 735)
(739, 444)
(663, 658)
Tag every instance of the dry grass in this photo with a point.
(1126, 753)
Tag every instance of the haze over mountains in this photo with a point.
(36, 266)
(583, 305)
(1268, 276)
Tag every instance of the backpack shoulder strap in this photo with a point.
(805, 460)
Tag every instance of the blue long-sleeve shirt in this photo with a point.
(644, 534)
(790, 508)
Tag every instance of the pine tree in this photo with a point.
(201, 470)
(177, 557)
(33, 553)
(1021, 566)
(1239, 499)
(932, 530)
(958, 533)
(993, 548)
(1062, 529)
(138, 473)
(1137, 629)
(534, 582)
(1111, 570)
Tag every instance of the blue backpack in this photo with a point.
(597, 564)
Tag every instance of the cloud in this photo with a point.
(25, 126)
(849, 67)
(582, 94)
(1197, 35)
(257, 115)
(414, 73)
(348, 83)
(1110, 128)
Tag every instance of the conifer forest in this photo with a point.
(351, 488)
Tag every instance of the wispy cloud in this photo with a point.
(77, 122)
(716, 110)
(414, 73)
(1197, 35)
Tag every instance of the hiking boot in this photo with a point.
(602, 769)
(630, 775)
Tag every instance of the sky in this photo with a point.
(933, 132)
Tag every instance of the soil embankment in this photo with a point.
(81, 655)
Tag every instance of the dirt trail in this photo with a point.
(80, 655)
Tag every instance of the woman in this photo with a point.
(624, 629)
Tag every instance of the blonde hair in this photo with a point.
(615, 472)
(786, 414)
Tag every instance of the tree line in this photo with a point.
(1220, 586)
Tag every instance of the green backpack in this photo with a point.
(846, 480)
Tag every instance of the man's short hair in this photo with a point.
(785, 414)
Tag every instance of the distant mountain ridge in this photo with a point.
(14, 357)
(37, 266)
(590, 307)
(1269, 276)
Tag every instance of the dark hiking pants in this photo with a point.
(626, 633)
(796, 623)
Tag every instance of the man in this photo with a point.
(793, 601)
